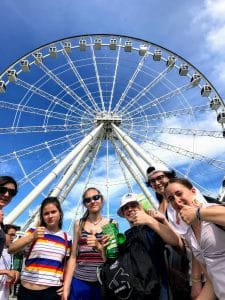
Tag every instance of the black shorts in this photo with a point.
(47, 294)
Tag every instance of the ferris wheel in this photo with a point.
(97, 110)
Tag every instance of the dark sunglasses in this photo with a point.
(158, 178)
(89, 199)
(130, 205)
(11, 192)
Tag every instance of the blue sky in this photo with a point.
(194, 30)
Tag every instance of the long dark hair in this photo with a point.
(8, 179)
(54, 201)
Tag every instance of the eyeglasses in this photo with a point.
(11, 234)
(95, 198)
(130, 205)
(4, 190)
(158, 178)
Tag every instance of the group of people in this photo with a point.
(184, 226)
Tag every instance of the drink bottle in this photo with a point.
(112, 248)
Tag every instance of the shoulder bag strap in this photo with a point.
(30, 249)
(66, 246)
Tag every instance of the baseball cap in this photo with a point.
(129, 197)
(157, 168)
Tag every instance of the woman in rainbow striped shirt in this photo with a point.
(47, 247)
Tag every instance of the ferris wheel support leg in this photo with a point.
(62, 191)
(136, 177)
(70, 171)
(125, 137)
(133, 156)
(76, 176)
(11, 217)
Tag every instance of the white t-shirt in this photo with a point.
(5, 264)
(210, 252)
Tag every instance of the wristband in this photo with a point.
(198, 214)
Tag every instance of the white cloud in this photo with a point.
(210, 23)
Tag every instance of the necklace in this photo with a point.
(96, 222)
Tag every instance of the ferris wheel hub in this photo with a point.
(107, 119)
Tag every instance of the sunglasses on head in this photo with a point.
(89, 199)
(4, 189)
(158, 178)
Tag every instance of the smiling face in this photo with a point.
(129, 209)
(10, 235)
(6, 195)
(178, 195)
(158, 181)
(93, 201)
(51, 216)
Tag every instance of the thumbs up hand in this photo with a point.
(188, 214)
(92, 240)
(39, 232)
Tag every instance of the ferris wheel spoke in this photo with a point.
(114, 79)
(48, 165)
(51, 97)
(181, 131)
(42, 146)
(170, 114)
(36, 111)
(97, 77)
(162, 98)
(129, 85)
(82, 84)
(40, 129)
(146, 89)
(210, 161)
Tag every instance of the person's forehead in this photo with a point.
(157, 173)
(11, 230)
(175, 187)
(129, 204)
(91, 192)
(9, 185)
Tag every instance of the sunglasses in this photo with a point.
(95, 198)
(130, 205)
(4, 190)
(158, 178)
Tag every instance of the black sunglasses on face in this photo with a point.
(158, 178)
(89, 199)
(4, 190)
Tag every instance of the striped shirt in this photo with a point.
(88, 259)
(45, 263)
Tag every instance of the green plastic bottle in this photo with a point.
(112, 249)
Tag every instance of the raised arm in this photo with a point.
(161, 228)
(22, 242)
(214, 214)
